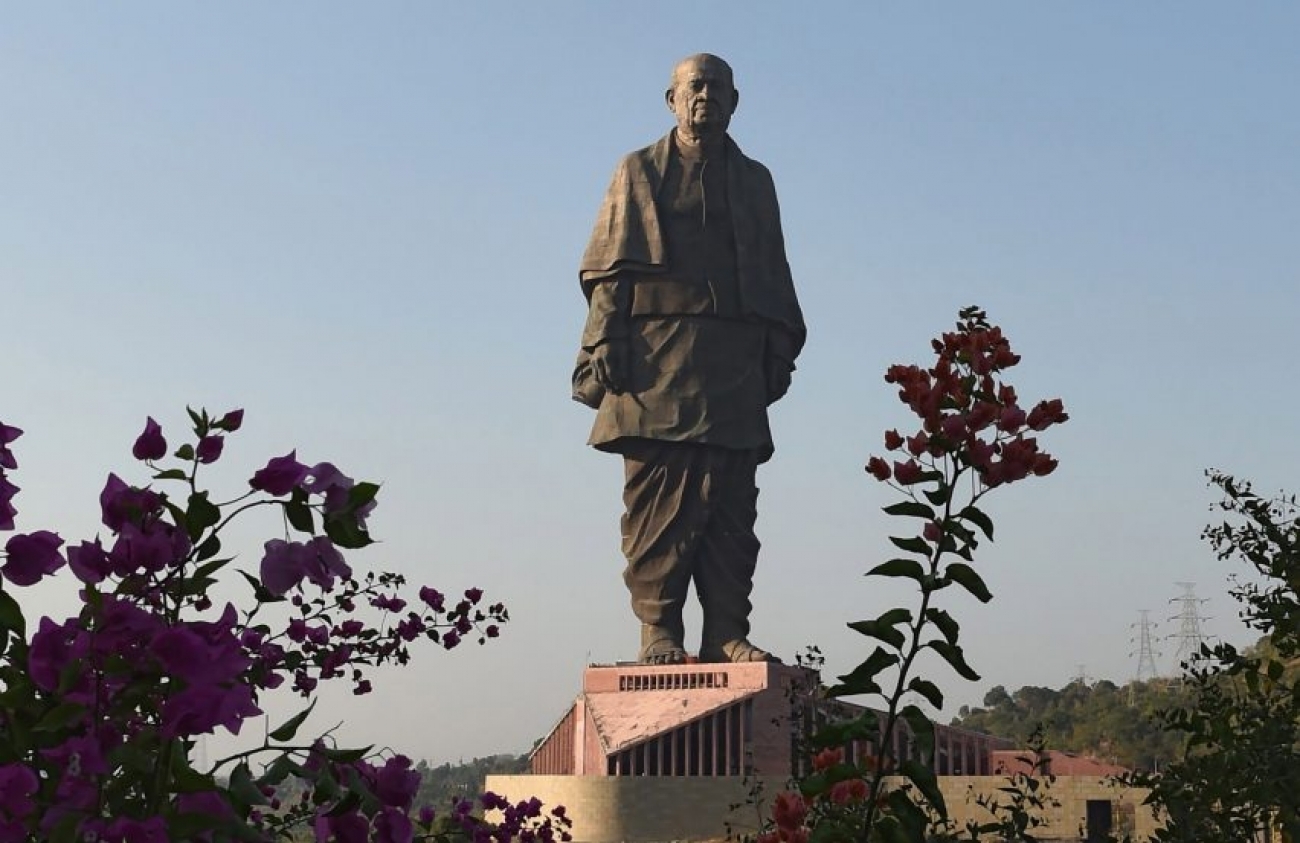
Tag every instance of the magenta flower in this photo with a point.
(210, 448)
(231, 421)
(395, 783)
(7, 511)
(432, 597)
(150, 444)
(17, 786)
(282, 566)
(7, 435)
(152, 830)
(53, 647)
(393, 826)
(323, 562)
(280, 475)
(31, 556)
(88, 562)
(149, 550)
(201, 709)
(345, 828)
(120, 503)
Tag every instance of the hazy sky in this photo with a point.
(362, 223)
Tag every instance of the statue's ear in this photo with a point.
(668, 98)
(735, 100)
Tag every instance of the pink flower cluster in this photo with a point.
(967, 413)
(115, 692)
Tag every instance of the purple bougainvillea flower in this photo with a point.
(210, 448)
(53, 647)
(17, 786)
(31, 556)
(395, 783)
(231, 421)
(280, 475)
(201, 709)
(7, 435)
(432, 597)
(344, 828)
(88, 562)
(282, 566)
(150, 444)
(152, 830)
(322, 563)
(393, 826)
(149, 550)
(120, 503)
(7, 511)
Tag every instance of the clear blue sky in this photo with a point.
(362, 223)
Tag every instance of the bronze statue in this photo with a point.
(692, 330)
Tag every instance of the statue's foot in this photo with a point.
(658, 646)
(736, 651)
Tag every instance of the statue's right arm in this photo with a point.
(607, 332)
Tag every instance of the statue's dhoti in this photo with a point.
(690, 516)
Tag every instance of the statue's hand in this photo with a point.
(609, 365)
(779, 373)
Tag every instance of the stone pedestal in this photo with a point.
(656, 753)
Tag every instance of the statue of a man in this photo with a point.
(692, 331)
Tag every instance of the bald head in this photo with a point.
(702, 96)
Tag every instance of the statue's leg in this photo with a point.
(727, 557)
(661, 527)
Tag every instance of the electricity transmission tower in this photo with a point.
(1190, 636)
(1146, 652)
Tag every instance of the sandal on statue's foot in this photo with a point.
(659, 647)
(737, 651)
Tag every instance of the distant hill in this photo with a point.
(1103, 720)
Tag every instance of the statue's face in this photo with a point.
(703, 96)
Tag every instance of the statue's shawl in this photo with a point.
(628, 238)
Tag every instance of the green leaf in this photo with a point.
(346, 805)
(11, 615)
(286, 730)
(345, 532)
(979, 519)
(909, 568)
(360, 495)
(927, 689)
(210, 548)
(862, 679)
(59, 717)
(201, 514)
(347, 756)
(243, 789)
(940, 496)
(947, 625)
(891, 831)
(259, 591)
(866, 726)
(922, 730)
(172, 474)
(911, 817)
(884, 627)
(911, 509)
(965, 576)
(954, 656)
(299, 513)
(923, 777)
(915, 544)
(185, 779)
(184, 452)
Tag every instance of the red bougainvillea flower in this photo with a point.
(150, 444)
(848, 791)
(828, 758)
(31, 556)
(878, 469)
(280, 475)
(789, 810)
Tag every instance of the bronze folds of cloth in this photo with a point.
(693, 327)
